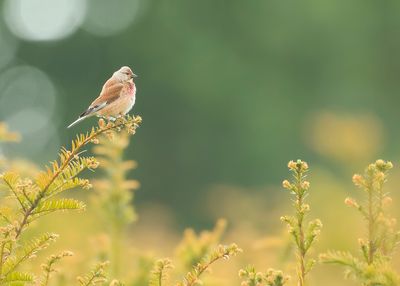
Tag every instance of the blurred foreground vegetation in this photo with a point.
(105, 237)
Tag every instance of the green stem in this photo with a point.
(301, 245)
(371, 225)
(1, 257)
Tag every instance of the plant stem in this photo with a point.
(370, 226)
(301, 272)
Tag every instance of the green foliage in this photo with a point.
(303, 236)
(26, 251)
(96, 276)
(192, 249)
(48, 267)
(159, 272)
(253, 278)
(221, 252)
(374, 267)
(18, 278)
(114, 195)
(36, 197)
(58, 205)
(144, 272)
(114, 192)
(60, 176)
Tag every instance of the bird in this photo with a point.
(117, 97)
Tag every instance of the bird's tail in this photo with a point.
(77, 121)
(88, 113)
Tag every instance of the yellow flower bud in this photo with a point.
(102, 123)
(286, 184)
(305, 185)
(358, 180)
(242, 273)
(350, 202)
(292, 165)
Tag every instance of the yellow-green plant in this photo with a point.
(374, 266)
(303, 234)
(96, 276)
(192, 248)
(195, 254)
(114, 194)
(35, 197)
(220, 252)
(253, 278)
(158, 275)
(48, 267)
(143, 273)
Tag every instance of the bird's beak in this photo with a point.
(133, 75)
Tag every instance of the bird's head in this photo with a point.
(124, 74)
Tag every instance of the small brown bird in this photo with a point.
(116, 98)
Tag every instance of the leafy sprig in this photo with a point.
(36, 197)
(303, 235)
(221, 252)
(253, 278)
(158, 274)
(374, 266)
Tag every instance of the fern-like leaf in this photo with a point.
(159, 274)
(46, 207)
(25, 252)
(12, 180)
(67, 176)
(96, 276)
(62, 175)
(48, 267)
(221, 252)
(18, 278)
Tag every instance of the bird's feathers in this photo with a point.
(77, 121)
(94, 108)
(116, 97)
(109, 93)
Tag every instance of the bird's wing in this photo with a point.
(110, 92)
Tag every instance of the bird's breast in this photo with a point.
(131, 89)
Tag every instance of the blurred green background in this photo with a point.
(229, 90)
